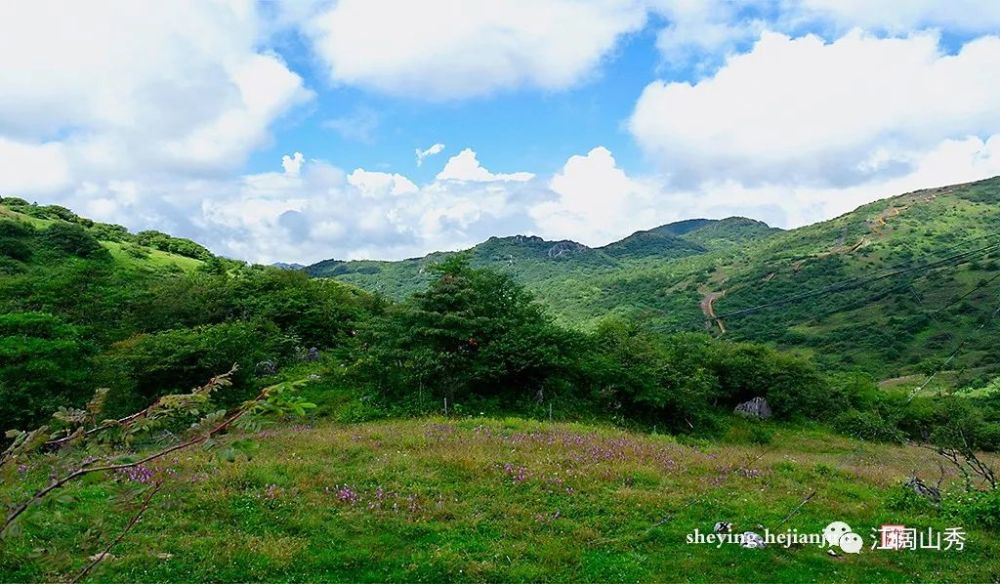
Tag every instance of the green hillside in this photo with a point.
(562, 273)
(676, 276)
(86, 304)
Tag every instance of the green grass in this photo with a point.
(488, 499)
(150, 258)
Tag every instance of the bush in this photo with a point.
(73, 239)
(43, 365)
(473, 332)
(653, 378)
(109, 232)
(974, 508)
(10, 228)
(792, 385)
(14, 249)
(868, 425)
(145, 367)
(174, 245)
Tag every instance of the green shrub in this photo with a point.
(10, 228)
(72, 239)
(473, 332)
(44, 363)
(110, 232)
(14, 249)
(903, 498)
(174, 245)
(144, 367)
(974, 508)
(868, 425)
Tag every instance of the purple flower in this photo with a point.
(518, 473)
(346, 495)
(137, 474)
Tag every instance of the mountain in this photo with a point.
(535, 260)
(855, 310)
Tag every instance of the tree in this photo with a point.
(472, 332)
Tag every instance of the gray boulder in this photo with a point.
(266, 368)
(755, 408)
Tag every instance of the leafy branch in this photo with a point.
(272, 400)
(98, 558)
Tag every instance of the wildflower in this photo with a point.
(137, 474)
(346, 495)
(376, 503)
(518, 473)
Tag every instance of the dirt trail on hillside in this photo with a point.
(877, 225)
(708, 309)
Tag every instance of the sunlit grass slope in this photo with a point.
(483, 499)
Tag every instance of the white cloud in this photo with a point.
(292, 164)
(441, 49)
(974, 16)
(315, 213)
(802, 110)
(464, 166)
(703, 31)
(430, 151)
(32, 168)
(596, 202)
(380, 184)
(127, 89)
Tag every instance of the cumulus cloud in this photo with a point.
(380, 184)
(803, 110)
(26, 167)
(595, 202)
(316, 213)
(427, 152)
(292, 164)
(704, 31)
(796, 129)
(122, 88)
(441, 49)
(465, 167)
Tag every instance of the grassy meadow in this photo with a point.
(488, 499)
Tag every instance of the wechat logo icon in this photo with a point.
(839, 534)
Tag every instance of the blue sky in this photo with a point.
(515, 130)
(288, 131)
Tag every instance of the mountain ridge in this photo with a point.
(676, 276)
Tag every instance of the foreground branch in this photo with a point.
(57, 483)
(132, 523)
